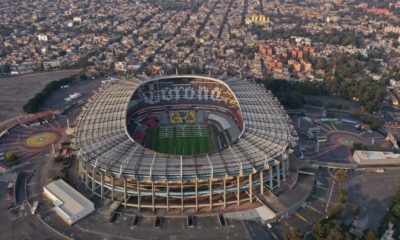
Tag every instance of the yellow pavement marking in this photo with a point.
(313, 209)
(319, 198)
(301, 217)
(334, 127)
(362, 133)
(320, 126)
(329, 127)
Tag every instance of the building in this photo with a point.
(51, 64)
(376, 157)
(69, 204)
(115, 164)
(392, 29)
(42, 37)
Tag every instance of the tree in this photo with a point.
(396, 210)
(10, 156)
(376, 124)
(369, 235)
(294, 234)
(395, 44)
(340, 176)
(343, 195)
(356, 211)
(377, 147)
(319, 231)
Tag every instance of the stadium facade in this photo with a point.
(250, 153)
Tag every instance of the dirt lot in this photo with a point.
(16, 91)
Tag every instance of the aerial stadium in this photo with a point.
(183, 142)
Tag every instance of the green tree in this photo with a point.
(343, 195)
(369, 235)
(396, 210)
(10, 156)
(377, 147)
(356, 211)
(319, 231)
(395, 44)
(294, 234)
(340, 176)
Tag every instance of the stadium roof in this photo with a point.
(102, 136)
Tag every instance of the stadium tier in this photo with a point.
(183, 142)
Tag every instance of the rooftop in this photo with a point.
(70, 200)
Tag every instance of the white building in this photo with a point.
(77, 19)
(70, 204)
(376, 157)
(42, 37)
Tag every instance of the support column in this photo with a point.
(262, 181)
(225, 192)
(138, 191)
(152, 194)
(87, 176)
(166, 182)
(251, 187)
(271, 178)
(210, 192)
(182, 194)
(102, 185)
(112, 188)
(278, 174)
(197, 194)
(238, 190)
(287, 164)
(93, 180)
(125, 200)
(284, 170)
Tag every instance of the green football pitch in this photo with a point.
(181, 140)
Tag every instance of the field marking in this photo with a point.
(301, 217)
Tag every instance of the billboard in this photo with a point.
(182, 117)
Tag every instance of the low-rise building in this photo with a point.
(69, 204)
(376, 157)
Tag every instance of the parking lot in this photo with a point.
(16, 91)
